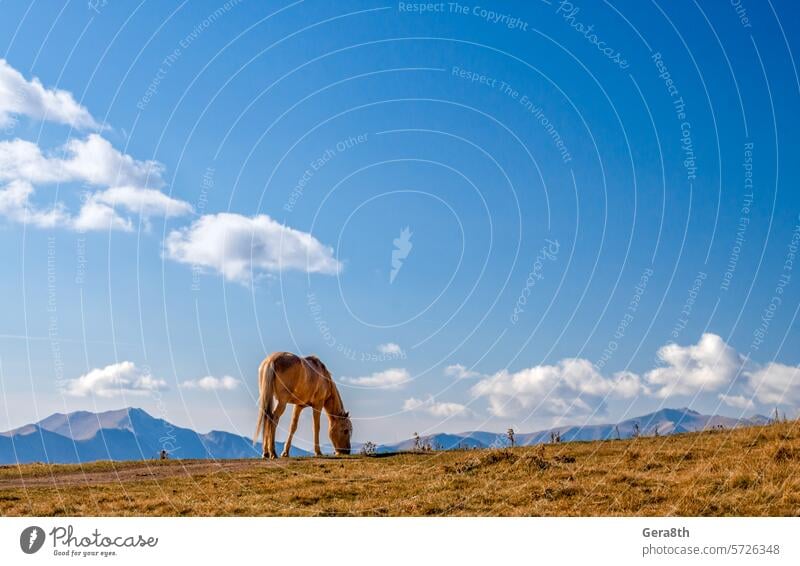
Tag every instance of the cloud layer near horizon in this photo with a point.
(392, 378)
(435, 408)
(575, 386)
(211, 383)
(120, 379)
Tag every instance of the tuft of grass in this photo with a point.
(785, 454)
(535, 462)
(497, 456)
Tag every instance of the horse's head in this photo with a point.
(340, 431)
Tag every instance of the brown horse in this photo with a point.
(304, 382)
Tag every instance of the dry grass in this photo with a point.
(743, 472)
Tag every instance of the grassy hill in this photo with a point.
(751, 471)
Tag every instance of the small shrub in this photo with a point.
(569, 491)
(496, 456)
(743, 481)
(784, 454)
(535, 462)
(489, 458)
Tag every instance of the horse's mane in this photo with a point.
(337, 406)
(319, 366)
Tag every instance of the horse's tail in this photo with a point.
(266, 383)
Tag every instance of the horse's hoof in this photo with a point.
(284, 454)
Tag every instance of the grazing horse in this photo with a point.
(304, 382)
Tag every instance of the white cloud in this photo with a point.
(575, 385)
(736, 401)
(15, 204)
(572, 385)
(393, 378)
(125, 184)
(92, 160)
(390, 349)
(145, 202)
(19, 96)
(707, 365)
(627, 384)
(122, 378)
(434, 408)
(459, 371)
(95, 215)
(242, 247)
(775, 384)
(211, 383)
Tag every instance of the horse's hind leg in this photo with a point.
(269, 434)
(266, 432)
(295, 417)
(276, 415)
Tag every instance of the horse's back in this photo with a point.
(303, 381)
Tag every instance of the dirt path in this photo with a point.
(127, 472)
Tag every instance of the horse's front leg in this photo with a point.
(317, 412)
(295, 417)
(276, 415)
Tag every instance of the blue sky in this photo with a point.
(478, 215)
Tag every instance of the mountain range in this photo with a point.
(133, 434)
(665, 421)
(124, 434)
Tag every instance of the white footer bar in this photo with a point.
(371, 541)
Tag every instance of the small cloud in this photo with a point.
(390, 349)
(16, 206)
(393, 378)
(122, 378)
(145, 202)
(95, 215)
(243, 247)
(459, 371)
(705, 366)
(434, 408)
(19, 96)
(775, 384)
(211, 383)
(737, 401)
